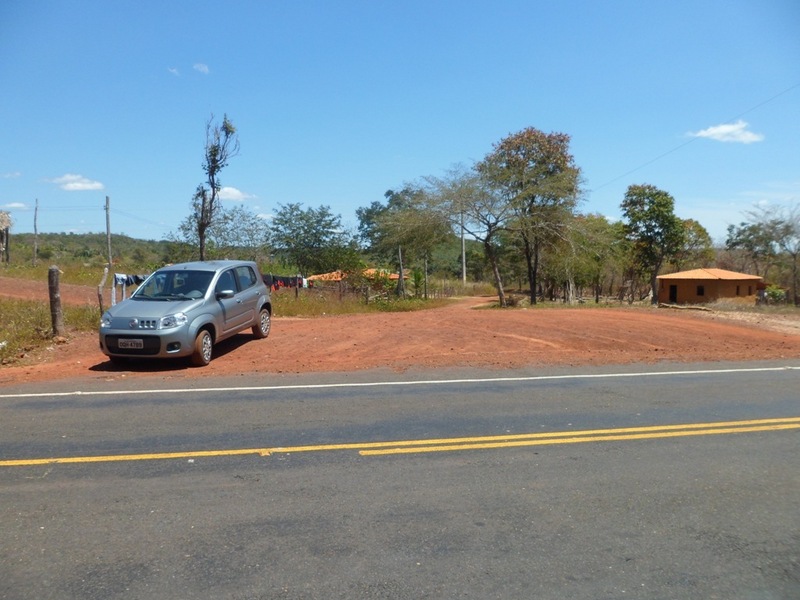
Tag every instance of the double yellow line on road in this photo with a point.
(452, 444)
(582, 436)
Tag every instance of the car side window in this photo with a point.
(226, 281)
(246, 276)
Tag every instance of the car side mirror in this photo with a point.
(225, 294)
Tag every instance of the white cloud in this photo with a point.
(76, 183)
(15, 206)
(12, 175)
(174, 71)
(201, 68)
(730, 132)
(231, 193)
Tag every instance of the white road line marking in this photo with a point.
(431, 382)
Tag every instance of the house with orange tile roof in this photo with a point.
(700, 286)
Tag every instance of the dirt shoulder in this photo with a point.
(464, 334)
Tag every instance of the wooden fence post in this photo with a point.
(100, 287)
(56, 315)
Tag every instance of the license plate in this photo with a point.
(131, 344)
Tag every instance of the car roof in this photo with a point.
(206, 265)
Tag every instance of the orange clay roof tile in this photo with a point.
(711, 274)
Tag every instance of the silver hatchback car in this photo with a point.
(184, 309)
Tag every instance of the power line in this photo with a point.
(686, 143)
(69, 208)
(140, 219)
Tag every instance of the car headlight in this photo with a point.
(175, 320)
(105, 320)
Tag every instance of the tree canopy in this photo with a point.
(536, 174)
(653, 229)
(312, 239)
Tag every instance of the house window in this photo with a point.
(737, 290)
(701, 290)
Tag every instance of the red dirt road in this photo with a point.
(460, 335)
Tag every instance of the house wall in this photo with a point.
(713, 289)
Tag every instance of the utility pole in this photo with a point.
(463, 252)
(108, 231)
(401, 288)
(108, 266)
(35, 233)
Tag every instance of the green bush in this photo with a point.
(775, 294)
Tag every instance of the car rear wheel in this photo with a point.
(203, 345)
(261, 330)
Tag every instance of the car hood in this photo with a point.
(152, 309)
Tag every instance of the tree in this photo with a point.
(788, 238)
(222, 143)
(312, 239)
(234, 233)
(368, 233)
(375, 222)
(471, 201)
(408, 227)
(697, 249)
(653, 229)
(754, 244)
(778, 230)
(599, 251)
(537, 175)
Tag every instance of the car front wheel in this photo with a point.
(203, 344)
(261, 330)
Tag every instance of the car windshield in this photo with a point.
(174, 285)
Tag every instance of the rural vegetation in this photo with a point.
(511, 223)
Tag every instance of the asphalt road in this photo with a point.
(669, 482)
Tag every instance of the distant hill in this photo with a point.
(92, 248)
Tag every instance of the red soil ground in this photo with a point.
(460, 335)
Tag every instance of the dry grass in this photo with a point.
(781, 317)
(27, 325)
(321, 302)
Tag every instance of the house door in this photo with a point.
(673, 294)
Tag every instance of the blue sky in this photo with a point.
(337, 102)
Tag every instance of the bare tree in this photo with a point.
(781, 226)
(222, 143)
(474, 203)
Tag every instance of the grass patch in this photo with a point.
(408, 304)
(320, 302)
(78, 274)
(27, 326)
(314, 303)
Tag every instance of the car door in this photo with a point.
(231, 306)
(248, 296)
